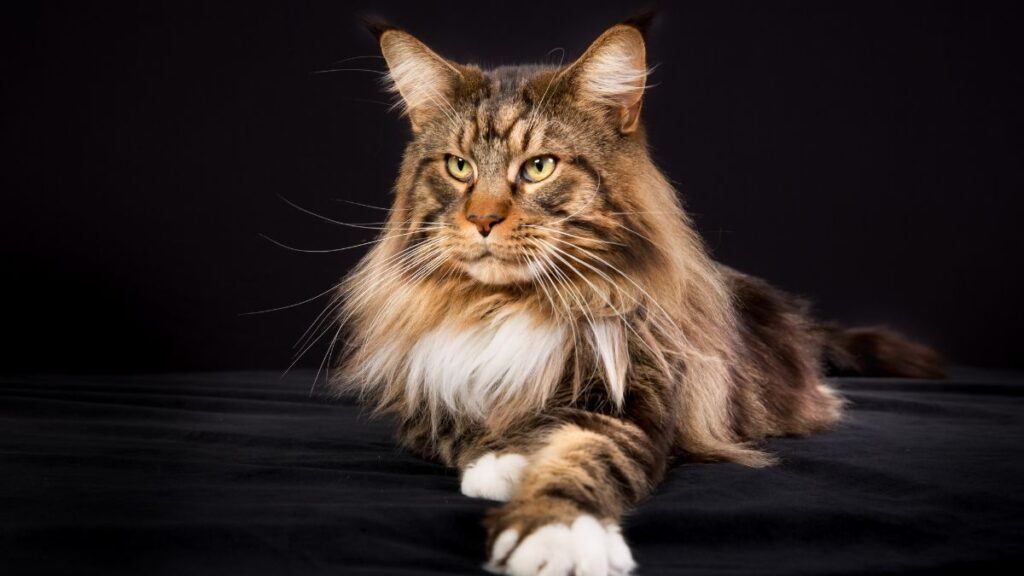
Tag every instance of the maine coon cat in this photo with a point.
(541, 314)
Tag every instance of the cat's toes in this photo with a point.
(493, 477)
(584, 548)
(620, 559)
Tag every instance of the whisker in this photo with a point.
(571, 289)
(576, 296)
(624, 275)
(664, 312)
(318, 320)
(530, 262)
(320, 251)
(363, 205)
(307, 337)
(630, 230)
(302, 352)
(396, 261)
(363, 57)
(325, 218)
(625, 322)
(593, 196)
(330, 70)
(353, 246)
(369, 287)
(541, 267)
(339, 299)
(312, 343)
(645, 212)
(404, 289)
(296, 304)
(557, 79)
(564, 233)
(327, 356)
(367, 101)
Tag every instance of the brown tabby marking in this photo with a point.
(578, 320)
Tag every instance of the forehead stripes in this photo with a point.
(508, 119)
(494, 123)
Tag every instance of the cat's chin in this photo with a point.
(495, 271)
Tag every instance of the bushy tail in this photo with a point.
(878, 352)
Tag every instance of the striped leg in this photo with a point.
(563, 515)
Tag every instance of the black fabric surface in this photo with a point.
(245, 473)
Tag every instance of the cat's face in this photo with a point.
(515, 173)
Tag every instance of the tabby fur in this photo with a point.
(588, 335)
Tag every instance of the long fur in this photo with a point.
(590, 325)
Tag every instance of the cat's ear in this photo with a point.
(423, 80)
(612, 73)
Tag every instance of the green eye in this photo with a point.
(459, 168)
(538, 168)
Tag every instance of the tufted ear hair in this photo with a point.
(612, 73)
(423, 80)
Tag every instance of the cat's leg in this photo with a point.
(563, 517)
(490, 463)
(494, 475)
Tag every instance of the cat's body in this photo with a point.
(541, 314)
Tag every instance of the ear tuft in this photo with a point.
(613, 73)
(376, 25)
(423, 80)
(642, 21)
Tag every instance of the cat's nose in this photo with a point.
(484, 222)
(486, 210)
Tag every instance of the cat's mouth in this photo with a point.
(494, 266)
(489, 251)
(488, 255)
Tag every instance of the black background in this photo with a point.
(865, 154)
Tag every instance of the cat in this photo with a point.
(541, 314)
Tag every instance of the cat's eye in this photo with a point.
(459, 168)
(538, 168)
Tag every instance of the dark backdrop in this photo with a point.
(868, 155)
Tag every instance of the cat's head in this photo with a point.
(523, 171)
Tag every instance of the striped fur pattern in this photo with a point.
(563, 359)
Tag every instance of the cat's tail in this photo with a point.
(878, 351)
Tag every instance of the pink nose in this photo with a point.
(485, 222)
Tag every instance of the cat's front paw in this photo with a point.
(493, 476)
(584, 547)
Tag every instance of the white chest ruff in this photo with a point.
(469, 369)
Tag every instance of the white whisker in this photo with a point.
(364, 205)
(564, 233)
(329, 70)
(327, 356)
(300, 303)
(318, 321)
(615, 310)
(556, 79)
(544, 274)
(307, 342)
(626, 276)
(586, 205)
(326, 219)
(353, 246)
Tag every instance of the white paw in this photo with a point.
(584, 549)
(493, 477)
